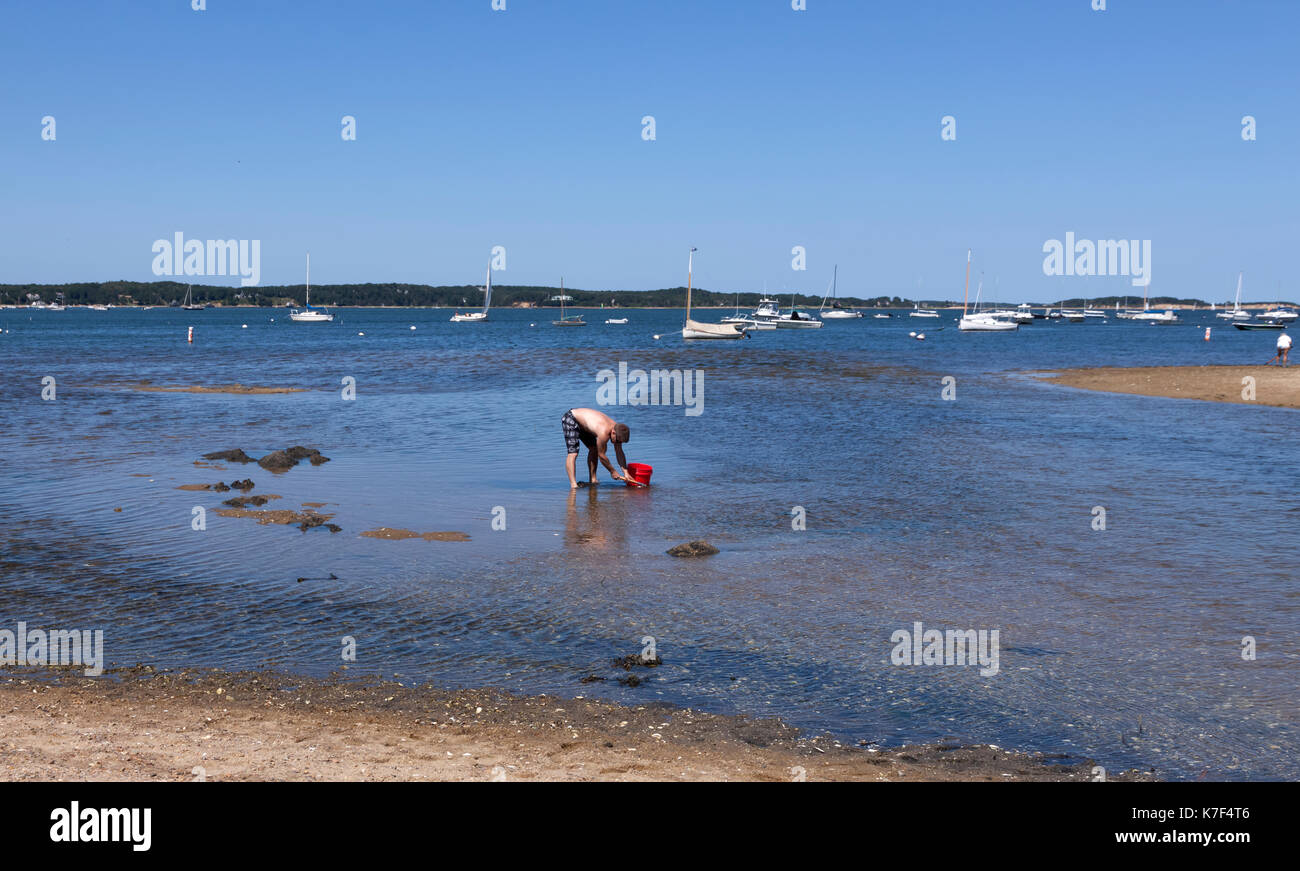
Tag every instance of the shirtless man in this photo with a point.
(595, 430)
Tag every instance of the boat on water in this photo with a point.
(1074, 316)
(615, 320)
(920, 311)
(977, 321)
(797, 319)
(1093, 312)
(1023, 314)
(190, 305)
(698, 329)
(836, 311)
(1152, 316)
(1259, 325)
(1238, 313)
(307, 314)
(1283, 315)
(567, 320)
(477, 317)
(882, 316)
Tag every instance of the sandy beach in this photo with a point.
(138, 724)
(1273, 385)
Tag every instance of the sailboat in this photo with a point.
(835, 311)
(1157, 317)
(697, 329)
(1237, 313)
(977, 321)
(477, 317)
(567, 320)
(189, 305)
(309, 315)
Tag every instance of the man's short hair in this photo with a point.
(623, 433)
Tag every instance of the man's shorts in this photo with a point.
(572, 433)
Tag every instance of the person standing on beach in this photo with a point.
(1283, 348)
(595, 430)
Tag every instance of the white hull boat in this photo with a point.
(309, 315)
(477, 317)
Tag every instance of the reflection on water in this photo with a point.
(973, 514)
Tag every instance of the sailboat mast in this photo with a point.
(308, 279)
(690, 265)
(965, 293)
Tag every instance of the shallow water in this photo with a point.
(1123, 644)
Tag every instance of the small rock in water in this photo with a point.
(277, 461)
(244, 485)
(693, 548)
(235, 456)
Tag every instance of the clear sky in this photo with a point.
(774, 128)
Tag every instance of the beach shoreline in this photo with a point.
(142, 724)
(1272, 385)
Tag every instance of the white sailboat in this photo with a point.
(307, 314)
(919, 312)
(697, 329)
(477, 317)
(836, 311)
(1237, 313)
(977, 321)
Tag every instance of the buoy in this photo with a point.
(656, 337)
(360, 334)
(412, 327)
(920, 337)
(243, 326)
(912, 334)
(1207, 334)
(189, 337)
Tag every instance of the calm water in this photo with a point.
(974, 513)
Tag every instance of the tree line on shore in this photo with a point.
(167, 293)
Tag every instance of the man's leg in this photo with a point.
(571, 441)
(591, 467)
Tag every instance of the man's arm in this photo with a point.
(600, 455)
(618, 452)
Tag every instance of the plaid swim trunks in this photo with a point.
(572, 432)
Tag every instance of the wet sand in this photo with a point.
(1273, 385)
(138, 724)
(388, 534)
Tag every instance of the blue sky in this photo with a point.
(774, 128)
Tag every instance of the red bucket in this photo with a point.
(640, 473)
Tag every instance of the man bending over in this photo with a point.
(595, 430)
